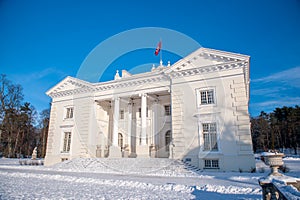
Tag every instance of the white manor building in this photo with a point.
(195, 110)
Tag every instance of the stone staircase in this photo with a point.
(143, 166)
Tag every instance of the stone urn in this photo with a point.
(274, 160)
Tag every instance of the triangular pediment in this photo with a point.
(207, 57)
(68, 84)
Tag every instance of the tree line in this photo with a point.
(22, 128)
(279, 129)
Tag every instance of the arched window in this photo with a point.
(120, 140)
(168, 139)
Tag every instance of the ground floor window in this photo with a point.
(210, 137)
(67, 142)
(211, 164)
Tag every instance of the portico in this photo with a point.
(136, 126)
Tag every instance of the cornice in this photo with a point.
(208, 69)
(210, 54)
(79, 87)
(130, 83)
(108, 85)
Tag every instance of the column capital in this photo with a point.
(143, 95)
(116, 98)
(129, 101)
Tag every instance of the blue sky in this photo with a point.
(41, 42)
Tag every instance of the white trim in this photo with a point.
(61, 146)
(198, 96)
(201, 149)
(66, 111)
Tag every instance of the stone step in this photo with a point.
(145, 166)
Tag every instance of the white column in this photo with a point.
(200, 132)
(144, 119)
(129, 123)
(116, 121)
(155, 121)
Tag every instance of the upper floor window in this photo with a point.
(140, 112)
(167, 110)
(210, 137)
(69, 112)
(207, 97)
(121, 114)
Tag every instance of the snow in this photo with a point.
(291, 158)
(271, 153)
(87, 179)
(289, 191)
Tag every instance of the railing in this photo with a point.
(283, 187)
(275, 185)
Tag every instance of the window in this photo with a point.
(212, 164)
(167, 110)
(121, 114)
(67, 142)
(210, 137)
(168, 139)
(207, 97)
(69, 113)
(140, 112)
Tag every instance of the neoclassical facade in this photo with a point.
(195, 110)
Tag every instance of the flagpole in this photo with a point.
(161, 53)
(158, 51)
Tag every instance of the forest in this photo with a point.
(22, 128)
(277, 130)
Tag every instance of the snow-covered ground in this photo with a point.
(79, 181)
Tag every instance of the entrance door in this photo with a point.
(120, 140)
(168, 139)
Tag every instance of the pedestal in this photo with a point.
(152, 151)
(115, 152)
(98, 152)
(142, 151)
